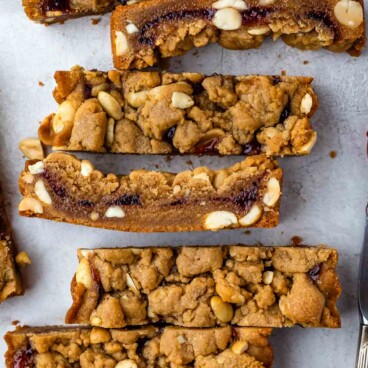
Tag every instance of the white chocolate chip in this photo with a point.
(121, 43)
(273, 192)
(64, 116)
(219, 220)
(84, 274)
(96, 321)
(267, 277)
(176, 189)
(131, 285)
(349, 13)
(227, 19)
(181, 100)
(42, 193)
(127, 363)
(115, 211)
(258, 31)
(236, 4)
(252, 216)
(99, 335)
(181, 339)
(239, 347)
(86, 168)
(265, 2)
(32, 148)
(137, 99)
(110, 131)
(132, 28)
(28, 178)
(37, 168)
(306, 104)
(110, 105)
(308, 146)
(30, 204)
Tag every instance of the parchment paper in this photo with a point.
(324, 198)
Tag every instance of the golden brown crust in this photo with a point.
(169, 347)
(63, 188)
(10, 282)
(206, 286)
(169, 27)
(54, 11)
(149, 112)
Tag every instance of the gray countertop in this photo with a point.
(324, 198)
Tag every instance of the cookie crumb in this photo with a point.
(333, 154)
(296, 240)
(305, 62)
(247, 232)
(41, 84)
(95, 21)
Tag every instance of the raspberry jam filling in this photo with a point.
(254, 15)
(56, 5)
(24, 358)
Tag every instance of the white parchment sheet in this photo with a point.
(324, 198)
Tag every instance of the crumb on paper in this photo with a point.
(41, 84)
(22, 259)
(95, 21)
(333, 154)
(247, 232)
(283, 72)
(305, 62)
(296, 240)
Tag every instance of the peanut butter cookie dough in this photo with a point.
(53, 11)
(161, 113)
(149, 347)
(168, 28)
(206, 286)
(64, 188)
(10, 281)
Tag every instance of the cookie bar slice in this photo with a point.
(10, 281)
(161, 113)
(222, 347)
(206, 286)
(53, 11)
(169, 27)
(64, 188)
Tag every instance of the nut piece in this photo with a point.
(227, 19)
(110, 105)
(30, 204)
(94, 216)
(131, 285)
(22, 259)
(239, 347)
(63, 117)
(236, 4)
(137, 99)
(109, 137)
(83, 274)
(121, 43)
(181, 100)
(37, 168)
(86, 168)
(306, 104)
(273, 192)
(181, 339)
(267, 277)
(115, 211)
(349, 13)
(32, 148)
(132, 28)
(258, 31)
(127, 363)
(42, 193)
(253, 216)
(99, 335)
(98, 88)
(308, 146)
(220, 219)
(223, 311)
